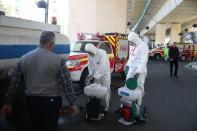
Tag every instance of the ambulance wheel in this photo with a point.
(183, 57)
(157, 56)
(84, 78)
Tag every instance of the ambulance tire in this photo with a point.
(183, 57)
(84, 76)
(157, 56)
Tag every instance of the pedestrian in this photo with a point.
(174, 58)
(189, 53)
(99, 69)
(137, 63)
(45, 76)
(166, 53)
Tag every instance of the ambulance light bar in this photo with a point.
(90, 36)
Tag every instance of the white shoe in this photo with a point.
(127, 123)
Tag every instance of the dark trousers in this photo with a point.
(173, 63)
(43, 112)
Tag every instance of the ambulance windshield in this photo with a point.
(80, 46)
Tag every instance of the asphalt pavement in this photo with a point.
(171, 103)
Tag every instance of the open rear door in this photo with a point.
(123, 52)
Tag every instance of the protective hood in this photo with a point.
(134, 38)
(146, 39)
(91, 48)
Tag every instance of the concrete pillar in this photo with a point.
(82, 18)
(175, 30)
(151, 37)
(93, 16)
(160, 34)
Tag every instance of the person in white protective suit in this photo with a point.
(137, 62)
(99, 68)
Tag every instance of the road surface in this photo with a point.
(171, 102)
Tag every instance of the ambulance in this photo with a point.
(157, 53)
(115, 45)
(186, 50)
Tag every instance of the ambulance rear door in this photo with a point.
(122, 54)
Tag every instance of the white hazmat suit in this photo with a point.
(99, 67)
(137, 62)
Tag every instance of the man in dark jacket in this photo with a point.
(45, 77)
(174, 58)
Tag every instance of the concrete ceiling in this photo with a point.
(153, 9)
(189, 25)
(137, 7)
(183, 13)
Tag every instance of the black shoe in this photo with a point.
(171, 76)
(176, 76)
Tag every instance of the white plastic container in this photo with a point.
(96, 90)
(128, 94)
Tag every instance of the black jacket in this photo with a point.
(174, 53)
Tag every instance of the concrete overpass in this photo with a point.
(112, 16)
(173, 15)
